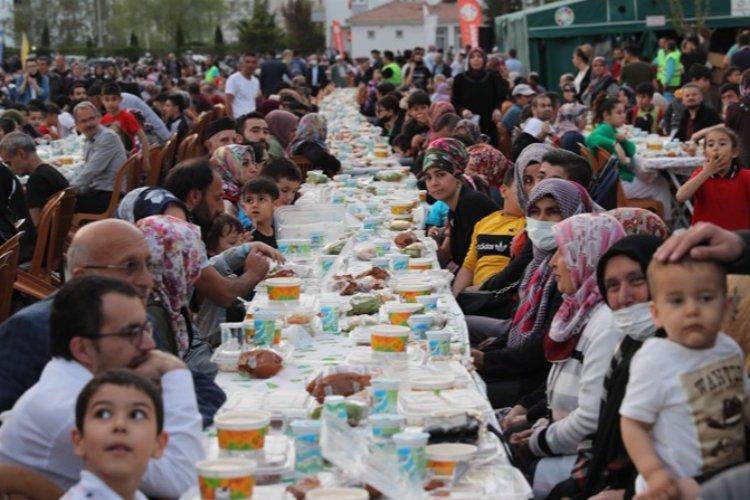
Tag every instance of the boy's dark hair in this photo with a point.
(698, 71)
(240, 123)
(385, 88)
(120, 378)
(743, 38)
(577, 168)
(189, 175)
(729, 87)
(732, 69)
(75, 85)
(218, 226)
(261, 185)
(36, 105)
(632, 49)
(418, 98)
(388, 54)
(645, 88)
(390, 103)
(77, 310)
(447, 120)
(402, 142)
(111, 88)
(177, 100)
(745, 79)
(509, 178)
(512, 53)
(194, 88)
(52, 109)
(281, 168)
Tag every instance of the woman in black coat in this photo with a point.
(480, 92)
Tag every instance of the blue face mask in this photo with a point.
(540, 233)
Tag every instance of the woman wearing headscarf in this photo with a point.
(147, 201)
(310, 142)
(602, 462)
(469, 129)
(177, 253)
(489, 164)
(442, 93)
(282, 125)
(571, 120)
(443, 167)
(480, 92)
(602, 81)
(236, 165)
(511, 360)
(640, 221)
(579, 344)
(437, 110)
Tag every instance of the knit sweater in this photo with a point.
(574, 388)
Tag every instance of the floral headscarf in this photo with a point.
(489, 163)
(281, 125)
(640, 221)
(446, 153)
(311, 128)
(177, 252)
(581, 241)
(438, 109)
(472, 129)
(567, 117)
(227, 162)
(146, 201)
(532, 153)
(442, 93)
(537, 283)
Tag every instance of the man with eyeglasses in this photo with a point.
(99, 323)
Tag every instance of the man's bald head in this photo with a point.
(114, 248)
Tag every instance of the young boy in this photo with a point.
(416, 127)
(119, 428)
(225, 233)
(173, 114)
(489, 252)
(682, 416)
(50, 125)
(258, 199)
(645, 115)
(287, 177)
(125, 122)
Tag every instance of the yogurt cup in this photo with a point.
(439, 344)
(329, 316)
(286, 247)
(326, 262)
(442, 458)
(337, 494)
(283, 289)
(308, 455)
(399, 262)
(335, 406)
(389, 338)
(428, 301)
(410, 291)
(411, 454)
(225, 478)
(385, 395)
(401, 207)
(381, 262)
(399, 313)
(420, 323)
(420, 264)
(242, 433)
(382, 247)
(264, 326)
(385, 426)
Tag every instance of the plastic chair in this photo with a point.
(123, 176)
(9, 252)
(21, 482)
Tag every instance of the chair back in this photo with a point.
(653, 205)
(220, 111)
(190, 147)
(20, 482)
(9, 252)
(54, 223)
(304, 165)
(167, 159)
(155, 157)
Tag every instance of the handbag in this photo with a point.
(490, 304)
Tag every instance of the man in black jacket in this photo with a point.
(696, 115)
(272, 73)
(315, 76)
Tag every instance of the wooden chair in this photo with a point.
(220, 111)
(653, 205)
(20, 482)
(124, 174)
(304, 165)
(167, 160)
(154, 157)
(44, 273)
(9, 252)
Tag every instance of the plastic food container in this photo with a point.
(442, 458)
(428, 301)
(385, 395)
(401, 207)
(283, 289)
(420, 323)
(410, 291)
(309, 458)
(337, 494)
(399, 313)
(264, 329)
(439, 344)
(399, 262)
(432, 382)
(242, 433)
(226, 478)
(411, 454)
(420, 264)
(389, 338)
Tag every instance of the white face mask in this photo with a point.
(540, 233)
(636, 321)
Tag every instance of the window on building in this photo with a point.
(441, 38)
(399, 33)
(370, 34)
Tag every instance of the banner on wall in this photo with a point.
(338, 39)
(470, 17)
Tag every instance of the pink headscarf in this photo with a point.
(489, 163)
(581, 240)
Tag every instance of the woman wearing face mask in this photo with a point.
(602, 461)
(390, 116)
(579, 344)
(511, 361)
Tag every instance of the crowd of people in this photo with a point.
(598, 331)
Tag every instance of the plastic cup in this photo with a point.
(385, 395)
(399, 262)
(399, 313)
(226, 478)
(335, 406)
(442, 458)
(411, 454)
(389, 338)
(385, 426)
(242, 433)
(232, 331)
(382, 247)
(381, 262)
(439, 344)
(428, 301)
(329, 312)
(284, 289)
(264, 325)
(308, 455)
(419, 324)
(401, 207)
(326, 262)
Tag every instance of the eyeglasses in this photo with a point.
(133, 333)
(130, 268)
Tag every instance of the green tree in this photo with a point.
(303, 34)
(133, 39)
(498, 8)
(45, 40)
(179, 38)
(260, 33)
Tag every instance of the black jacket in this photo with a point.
(705, 117)
(322, 79)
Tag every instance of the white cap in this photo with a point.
(523, 89)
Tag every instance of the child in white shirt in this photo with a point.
(682, 416)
